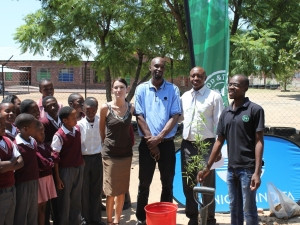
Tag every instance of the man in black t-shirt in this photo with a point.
(241, 124)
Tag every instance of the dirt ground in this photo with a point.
(281, 109)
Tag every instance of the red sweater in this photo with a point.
(6, 179)
(46, 159)
(70, 154)
(30, 170)
(50, 129)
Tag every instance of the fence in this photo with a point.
(282, 109)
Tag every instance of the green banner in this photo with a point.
(210, 38)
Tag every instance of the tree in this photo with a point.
(126, 34)
(253, 52)
(288, 62)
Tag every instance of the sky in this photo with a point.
(11, 17)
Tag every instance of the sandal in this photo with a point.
(116, 223)
(110, 223)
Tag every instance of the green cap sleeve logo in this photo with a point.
(245, 118)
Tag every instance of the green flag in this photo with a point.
(210, 40)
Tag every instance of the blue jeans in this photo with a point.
(242, 199)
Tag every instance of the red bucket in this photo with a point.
(161, 213)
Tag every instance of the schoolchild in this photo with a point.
(69, 171)
(46, 160)
(91, 147)
(75, 101)
(7, 110)
(14, 100)
(46, 89)
(29, 106)
(27, 177)
(10, 160)
(51, 120)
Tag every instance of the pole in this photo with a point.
(85, 84)
(3, 88)
(189, 32)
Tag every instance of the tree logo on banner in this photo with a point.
(218, 81)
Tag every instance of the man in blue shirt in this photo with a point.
(157, 107)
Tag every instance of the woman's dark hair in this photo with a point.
(122, 80)
(26, 105)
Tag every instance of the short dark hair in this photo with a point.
(65, 112)
(245, 79)
(46, 99)
(10, 98)
(44, 81)
(91, 101)
(2, 103)
(120, 79)
(73, 96)
(25, 105)
(24, 120)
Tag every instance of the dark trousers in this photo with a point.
(166, 165)
(92, 188)
(188, 150)
(26, 211)
(69, 198)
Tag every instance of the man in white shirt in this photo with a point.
(201, 109)
(91, 147)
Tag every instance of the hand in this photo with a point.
(202, 174)
(155, 153)
(14, 160)
(152, 141)
(59, 184)
(219, 157)
(255, 182)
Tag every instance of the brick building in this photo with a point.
(62, 75)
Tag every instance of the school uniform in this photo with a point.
(8, 150)
(11, 134)
(68, 145)
(41, 107)
(51, 126)
(46, 160)
(27, 183)
(93, 173)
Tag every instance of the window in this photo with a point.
(43, 73)
(88, 75)
(66, 75)
(8, 76)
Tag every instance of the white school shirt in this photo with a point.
(15, 153)
(204, 102)
(90, 136)
(57, 142)
(53, 121)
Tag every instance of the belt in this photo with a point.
(167, 139)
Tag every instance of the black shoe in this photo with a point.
(212, 222)
(141, 222)
(97, 223)
(193, 222)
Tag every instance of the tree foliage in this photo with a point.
(122, 36)
(126, 35)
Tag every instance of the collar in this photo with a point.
(245, 105)
(50, 118)
(66, 131)
(201, 91)
(13, 130)
(162, 86)
(20, 140)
